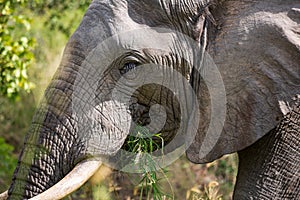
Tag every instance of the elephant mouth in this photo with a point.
(155, 113)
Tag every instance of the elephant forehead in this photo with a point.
(167, 11)
(104, 19)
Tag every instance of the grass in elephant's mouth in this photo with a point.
(144, 143)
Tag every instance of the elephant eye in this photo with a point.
(128, 67)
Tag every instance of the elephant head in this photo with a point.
(144, 62)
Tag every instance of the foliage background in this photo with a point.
(32, 36)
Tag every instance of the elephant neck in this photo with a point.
(270, 168)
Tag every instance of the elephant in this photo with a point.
(255, 49)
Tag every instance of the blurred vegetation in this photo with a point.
(15, 49)
(32, 36)
(8, 160)
(62, 15)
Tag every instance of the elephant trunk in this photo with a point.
(60, 143)
(51, 149)
(46, 156)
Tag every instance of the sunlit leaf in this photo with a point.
(15, 49)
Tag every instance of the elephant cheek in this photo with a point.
(105, 128)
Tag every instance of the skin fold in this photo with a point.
(255, 46)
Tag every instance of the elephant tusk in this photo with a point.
(71, 182)
(4, 195)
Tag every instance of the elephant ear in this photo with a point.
(257, 52)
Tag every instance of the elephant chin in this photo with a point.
(71, 182)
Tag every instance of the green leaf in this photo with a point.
(15, 49)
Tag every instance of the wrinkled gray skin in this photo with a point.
(256, 47)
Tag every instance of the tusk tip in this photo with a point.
(4, 195)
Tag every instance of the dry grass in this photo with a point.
(185, 180)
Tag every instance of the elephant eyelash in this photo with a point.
(128, 67)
